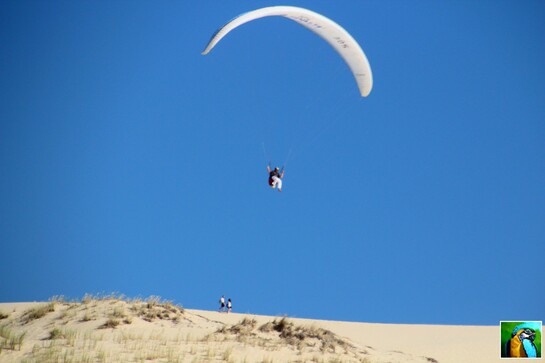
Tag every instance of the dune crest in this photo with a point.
(113, 329)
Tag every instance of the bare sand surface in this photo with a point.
(151, 330)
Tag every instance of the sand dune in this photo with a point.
(110, 329)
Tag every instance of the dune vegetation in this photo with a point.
(113, 328)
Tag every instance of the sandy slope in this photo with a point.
(446, 344)
(113, 330)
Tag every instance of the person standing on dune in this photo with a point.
(222, 303)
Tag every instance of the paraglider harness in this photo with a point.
(274, 173)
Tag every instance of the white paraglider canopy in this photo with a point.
(326, 28)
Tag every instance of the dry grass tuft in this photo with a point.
(9, 339)
(86, 317)
(56, 333)
(110, 323)
(244, 327)
(154, 309)
(302, 336)
(37, 313)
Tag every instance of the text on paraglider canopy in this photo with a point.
(306, 21)
(341, 42)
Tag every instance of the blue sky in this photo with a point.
(131, 163)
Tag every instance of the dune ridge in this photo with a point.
(116, 329)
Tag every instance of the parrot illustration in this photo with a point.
(521, 344)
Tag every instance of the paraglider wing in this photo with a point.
(326, 28)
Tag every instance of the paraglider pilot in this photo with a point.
(275, 177)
